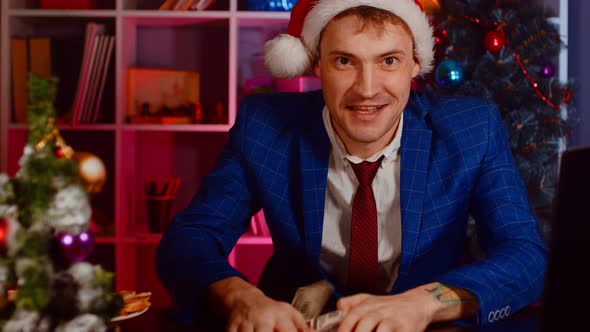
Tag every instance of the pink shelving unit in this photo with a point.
(222, 44)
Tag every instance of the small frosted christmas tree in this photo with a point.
(45, 284)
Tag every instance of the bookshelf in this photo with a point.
(223, 44)
(207, 42)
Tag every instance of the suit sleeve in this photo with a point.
(512, 274)
(194, 249)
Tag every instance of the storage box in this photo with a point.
(67, 4)
(149, 91)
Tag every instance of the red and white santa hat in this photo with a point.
(289, 55)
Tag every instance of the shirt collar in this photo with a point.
(339, 153)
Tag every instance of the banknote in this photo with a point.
(327, 322)
(311, 299)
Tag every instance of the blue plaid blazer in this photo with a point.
(455, 162)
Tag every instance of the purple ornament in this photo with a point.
(75, 248)
(548, 70)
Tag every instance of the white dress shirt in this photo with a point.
(341, 186)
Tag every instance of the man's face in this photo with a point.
(366, 76)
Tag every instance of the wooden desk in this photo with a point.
(163, 320)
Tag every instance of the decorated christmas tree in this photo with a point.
(507, 51)
(45, 282)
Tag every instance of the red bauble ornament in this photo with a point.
(59, 152)
(494, 41)
(3, 234)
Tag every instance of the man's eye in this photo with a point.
(390, 61)
(343, 61)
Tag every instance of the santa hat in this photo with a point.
(289, 55)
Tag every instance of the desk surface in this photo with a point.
(163, 320)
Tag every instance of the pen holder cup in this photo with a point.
(158, 212)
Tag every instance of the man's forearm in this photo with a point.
(450, 303)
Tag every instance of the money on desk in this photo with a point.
(310, 301)
(327, 322)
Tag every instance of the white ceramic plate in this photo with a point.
(135, 314)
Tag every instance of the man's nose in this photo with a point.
(366, 84)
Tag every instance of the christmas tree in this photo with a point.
(506, 51)
(45, 284)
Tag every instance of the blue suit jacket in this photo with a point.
(455, 162)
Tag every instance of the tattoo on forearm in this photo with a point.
(450, 295)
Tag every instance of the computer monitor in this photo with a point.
(566, 297)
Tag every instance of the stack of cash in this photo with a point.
(310, 301)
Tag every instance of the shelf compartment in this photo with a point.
(251, 40)
(67, 37)
(194, 46)
(150, 155)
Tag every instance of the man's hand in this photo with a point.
(411, 311)
(247, 309)
(404, 312)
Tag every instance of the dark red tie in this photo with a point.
(363, 263)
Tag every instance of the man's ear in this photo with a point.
(416, 68)
(316, 69)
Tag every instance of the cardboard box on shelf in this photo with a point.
(158, 92)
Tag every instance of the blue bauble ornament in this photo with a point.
(449, 74)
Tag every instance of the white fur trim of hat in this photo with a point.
(290, 54)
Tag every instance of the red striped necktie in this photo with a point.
(363, 264)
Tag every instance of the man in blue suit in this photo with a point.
(367, 185)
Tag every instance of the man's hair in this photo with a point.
(376, 18)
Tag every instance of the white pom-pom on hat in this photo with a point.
(289, 55)
(285, 56)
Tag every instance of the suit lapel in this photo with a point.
(415, 155)
(314, 153)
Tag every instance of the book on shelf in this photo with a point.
(98, 49)
(103, 77)
(93, 77)
(29, 54)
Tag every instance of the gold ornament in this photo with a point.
(91, 170)
(431, 7)
(62, 150)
